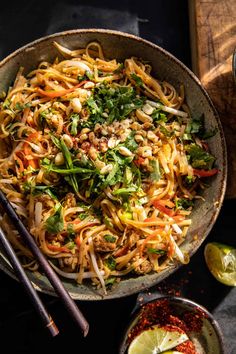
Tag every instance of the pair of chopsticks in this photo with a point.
(59, 288)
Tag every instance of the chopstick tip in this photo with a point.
(53, 328)
(86, 330)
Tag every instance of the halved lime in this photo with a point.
(221, 261)
(156, 340)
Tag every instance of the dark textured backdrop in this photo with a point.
(166, 24)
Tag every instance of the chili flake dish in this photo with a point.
(172, 325)
(103, 163)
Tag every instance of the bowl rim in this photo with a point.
(175, 267)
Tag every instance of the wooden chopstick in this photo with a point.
(59, 288)
(21, 274)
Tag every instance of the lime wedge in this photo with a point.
(156, 340)
(221, 261)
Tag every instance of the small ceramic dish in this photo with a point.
(205, 333)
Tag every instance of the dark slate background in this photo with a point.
(166, 24)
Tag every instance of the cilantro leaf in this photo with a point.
(109, 103)
(183, 203)
(155, 251)
(111, 263)
(54, 223)
(137, 79)
(130, 142)
(109, 238)
(199, 158)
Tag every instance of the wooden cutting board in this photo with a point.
(213, 40)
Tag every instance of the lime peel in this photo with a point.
(221, 261)
(156, 340)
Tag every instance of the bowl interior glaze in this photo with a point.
(165, 67)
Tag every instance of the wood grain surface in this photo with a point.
(213, 40)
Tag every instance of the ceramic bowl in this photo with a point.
(165, 66)
(208, 339)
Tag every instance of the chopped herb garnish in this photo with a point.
(83, 216)
(196, 126)
(130, 142)
(158, 116)
(156, 251)
(199, 158)
(54, 224)
(137, 79)
(70, 230)
(86, 76)
(110, 103)
(109, 238)
(110, 263)
(20, 107)
(183, 203)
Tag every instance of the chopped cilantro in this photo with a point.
(86, 76)
(196, 126)
(109, 103)
(183, 203)
(158, 116)
(109, 238)
(130, 142)
(137, 79)
(70, 230)
(54, 223)
(156, 251)
(199, 158)
(110, 263)
(83, 216)
(20, 106)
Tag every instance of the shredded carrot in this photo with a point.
(161, 205)
(78, 241)
(57, 248)
(33, 162)
(178, 218)
(153, 218)
(121, 251)
(147, 239)
(171, 250)
(55, 94)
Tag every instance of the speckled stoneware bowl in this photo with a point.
(165, 67)
(207, 340)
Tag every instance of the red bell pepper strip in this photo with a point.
(205, 173)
